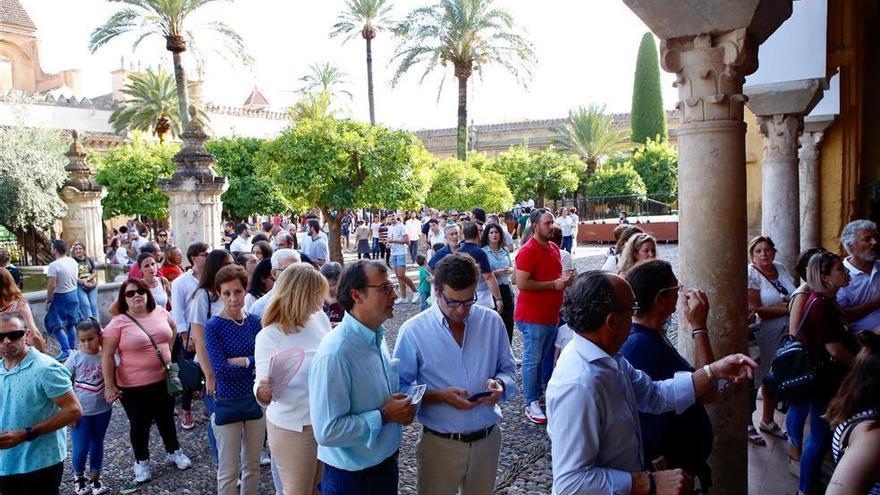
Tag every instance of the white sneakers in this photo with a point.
(400, 300)
(142, 472)
(415, 298)
(179, 459)
(535, 414)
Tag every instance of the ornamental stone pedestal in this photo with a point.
(194, 191)
(780, 109)
(711, 49)
(809, 173)
(83, 222)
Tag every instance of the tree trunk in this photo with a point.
(334, 241)
(36, 244)
(462, 118)
(180, 77)
(370, 81)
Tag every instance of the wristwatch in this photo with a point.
(29, 434)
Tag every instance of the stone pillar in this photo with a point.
(809, 173)
(194, 191)
(711, 50)
(83, 222)
(780, 109)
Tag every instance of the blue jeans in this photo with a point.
(88, 441)
(567, 242)
(423, 301)
(62, 317)
(816, 446)
(88, 302)
(537, 345)
(375, 248)
(795, 420)
(212, 442)
(381, 479)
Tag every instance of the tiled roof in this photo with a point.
(11, 12)
(256, 100)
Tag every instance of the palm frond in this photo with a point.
(122, 22)
(590, 134)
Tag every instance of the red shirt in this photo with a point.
(545, 265)
(170, 272)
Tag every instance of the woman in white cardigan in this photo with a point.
(293, 326)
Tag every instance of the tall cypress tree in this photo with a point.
(648, 118)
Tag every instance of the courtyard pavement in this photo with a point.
(524, 467)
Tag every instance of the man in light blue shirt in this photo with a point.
(595, 395)
(457, 350)
(356, 406)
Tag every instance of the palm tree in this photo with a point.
(324, 77)
(169, 19)
(367, 17)
(313, 106)
(589, 133)
(151, 106)
(470, 35)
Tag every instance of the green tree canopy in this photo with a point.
(657, 164)
(249, 193)
(131, 173)
(339, 165)
(620, 180)
(462, 185)
(590, 134)
(648, 119)
(539, 175)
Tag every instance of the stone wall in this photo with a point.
(107, 294)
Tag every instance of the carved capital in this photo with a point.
(781, 133)
(810, 142)
(711, 71)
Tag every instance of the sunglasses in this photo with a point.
(163, 235)
(13, 335)
(132, 292)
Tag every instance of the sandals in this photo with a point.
(772, 428)
(755, 437)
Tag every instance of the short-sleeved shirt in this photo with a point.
(138, 364)
(396, 233)
(26, 395)
(424, 280)
(863, 287)
(318, 249)
(413, 229)
(684, 439)
(823, 324)
(203, 306)
(374, 229)
(545, 265)
(66, 271)
(88, 382)
(565, 225)
(85, 267)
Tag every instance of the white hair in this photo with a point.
(284, 254)
(850, 233)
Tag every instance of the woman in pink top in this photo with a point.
(138, 379)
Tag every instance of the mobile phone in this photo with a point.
(479, 395)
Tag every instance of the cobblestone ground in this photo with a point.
(524, 467)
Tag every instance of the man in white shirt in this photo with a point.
(317, 248)
(414, 232)
(135, 239)
(398, 241)
(595, 395)
(62, 302)
(565, 225)
(575, 223)
(242, 243)
(860, 300)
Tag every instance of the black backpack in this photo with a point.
(793, 372)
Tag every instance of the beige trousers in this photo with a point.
(238, 448)
(448, 467)
(296, 457)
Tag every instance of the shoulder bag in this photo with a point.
(190, 371)
(793, 372)
(172, 381)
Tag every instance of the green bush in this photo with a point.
(620, 180)
(657, 164)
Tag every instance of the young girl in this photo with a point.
(88, 431)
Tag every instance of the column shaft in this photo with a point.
(809, 190)
(779, 185)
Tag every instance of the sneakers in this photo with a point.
(179, 459)
(535, 414)
(517, 361)
(186, 420)
(400, 300)
(98, 488)
(772, 428)
(265, 460)
(142, 472)
(415, 298)
(755, 437)
(63, 356)
(81, 486)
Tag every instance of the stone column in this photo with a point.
(83, 222)
(194, 191)
(780, 109)
(809, 173)
(711, 50)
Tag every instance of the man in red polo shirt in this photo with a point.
(540, 282)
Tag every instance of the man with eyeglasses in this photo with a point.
(356, 405)
(460, 442)
(683, 440)
(280, 260)
(595, 395)
(37, 400)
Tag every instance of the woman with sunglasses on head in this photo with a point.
(87, 282)
(140, 336)
(11, 301)
(159, 286)
(171, 266)
(639, 247)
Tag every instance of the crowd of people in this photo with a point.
(288, 351)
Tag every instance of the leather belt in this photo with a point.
(463, 437)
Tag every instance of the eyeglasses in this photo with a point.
(201, 255)
(386, 288)
(674, 287)
(452, 303)
(13, 336)
(632, 309)
(131, 293)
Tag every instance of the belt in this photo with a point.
(471, 437)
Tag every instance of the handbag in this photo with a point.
(236, 409)
(190, 371)
(793, 372)
(173, 384)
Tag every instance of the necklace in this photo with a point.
(240, 323)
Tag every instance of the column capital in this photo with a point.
(781, 133)
(788, 97)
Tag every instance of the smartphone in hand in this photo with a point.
(479, 395)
